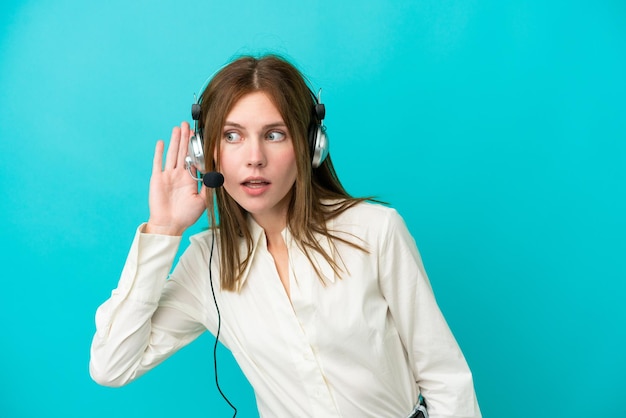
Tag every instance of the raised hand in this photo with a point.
(175, 203)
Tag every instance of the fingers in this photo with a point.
(177, 149)
(157, 161)
(185, 134)
(172, 149)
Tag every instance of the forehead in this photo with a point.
(254, 106)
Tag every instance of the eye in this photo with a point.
(276, 136)
(232, 137)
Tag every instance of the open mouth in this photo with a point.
(255, 184)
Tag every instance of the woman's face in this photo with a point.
(257, 159)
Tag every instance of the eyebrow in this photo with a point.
(268, 126)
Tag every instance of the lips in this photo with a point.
(255, 182)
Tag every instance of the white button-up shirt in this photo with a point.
(365, 344)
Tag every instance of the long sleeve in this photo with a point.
(134, 332)
(439, 366)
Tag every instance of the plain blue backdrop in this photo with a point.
(496, 128)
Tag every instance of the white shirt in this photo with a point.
(363, 345)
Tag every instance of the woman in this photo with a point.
(322, 298)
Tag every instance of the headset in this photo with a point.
(317, 137)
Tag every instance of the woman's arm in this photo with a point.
(134, 330)
(439, 366)
(132, 333)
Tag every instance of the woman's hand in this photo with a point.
(175, 203)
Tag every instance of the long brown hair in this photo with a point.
(317, 196)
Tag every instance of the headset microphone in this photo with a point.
(213, 179)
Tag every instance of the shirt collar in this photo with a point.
(259, 241)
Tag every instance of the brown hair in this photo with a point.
(317, 193)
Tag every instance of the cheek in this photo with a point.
(287, 160)
(227, 161)
(227, 168)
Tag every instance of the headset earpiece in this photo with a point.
(195, 155)
(318, 139)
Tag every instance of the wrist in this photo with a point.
(153, 228)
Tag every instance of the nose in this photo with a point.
(256, 153)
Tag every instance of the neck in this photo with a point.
(275, 220)
(273, 224)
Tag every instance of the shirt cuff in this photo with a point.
(147, 266)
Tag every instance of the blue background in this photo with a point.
(496, 128)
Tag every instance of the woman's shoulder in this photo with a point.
(367, 218)
(368, 211)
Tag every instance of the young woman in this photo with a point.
(321, 297)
